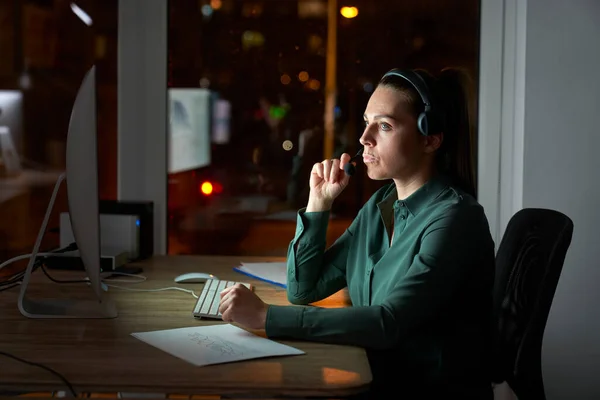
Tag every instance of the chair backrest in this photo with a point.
(529, 262)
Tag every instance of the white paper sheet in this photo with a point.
(214, 344)
(272, 272)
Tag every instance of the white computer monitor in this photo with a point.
(189, 129)
(11, 115)
(11, 127)
(8, 153)
(83, 202)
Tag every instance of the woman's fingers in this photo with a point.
(326, 169)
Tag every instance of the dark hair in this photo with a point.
(450, 92)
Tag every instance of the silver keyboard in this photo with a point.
(207, 305)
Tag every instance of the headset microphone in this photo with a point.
(350, 167)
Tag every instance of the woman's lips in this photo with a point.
(367, 158)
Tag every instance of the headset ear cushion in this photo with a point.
(423, 124)
(430, 123)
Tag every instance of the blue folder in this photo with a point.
(259, 277)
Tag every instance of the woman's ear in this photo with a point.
(433, 142)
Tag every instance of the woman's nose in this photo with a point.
(366, 138)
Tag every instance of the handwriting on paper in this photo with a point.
(216, 344)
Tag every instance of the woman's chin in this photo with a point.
(376, 175)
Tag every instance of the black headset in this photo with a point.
(431, 120)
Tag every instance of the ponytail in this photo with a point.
(455, 157)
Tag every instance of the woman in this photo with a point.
(418, 259)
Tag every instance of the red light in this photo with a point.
(217, 187)
(206, 188)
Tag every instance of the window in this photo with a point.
(247, 106)
(46, 48)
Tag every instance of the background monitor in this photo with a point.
(221, 127)
(11, 116)
(82, 191)
(10, 163)
(189, 129)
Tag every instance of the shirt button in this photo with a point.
(402, 217)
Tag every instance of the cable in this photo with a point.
(155, 290)
(71, 247)
(23, 257)
(62, 281)
(15, 280)
(62, 378)
(142, 278)
(10, 286)
(37, 264)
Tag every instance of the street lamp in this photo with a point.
(349, 12)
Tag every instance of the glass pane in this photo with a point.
(46, 48)
(247, 106)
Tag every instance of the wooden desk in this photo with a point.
(102, 356)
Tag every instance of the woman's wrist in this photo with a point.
(318, 205)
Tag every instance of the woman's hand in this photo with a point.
(239, 304)
(327, 181)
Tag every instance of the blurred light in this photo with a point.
(368, 87)
(100, 46)
(206, 10)
(418, 43)
(252, 9)
(349, 12)
(277, 112)
(256, 155)
(315, 43)
(81, 14)
(25, 81)
(288, 145)
(314, 84)
(204, 82)
(206, 188)
(285, 79)
(217, 187)
(303, 76)
(137, 222)
(216, 4)
(312, 9)
(337, 111)
(252, 38)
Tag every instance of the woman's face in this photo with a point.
(393, 146)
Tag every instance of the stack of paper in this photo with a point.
(214, 344)
(272, 272)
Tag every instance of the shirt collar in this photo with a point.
(416, 201)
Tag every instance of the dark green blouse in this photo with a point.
(428, 296)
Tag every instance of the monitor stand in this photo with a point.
(59, 308)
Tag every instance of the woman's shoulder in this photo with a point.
(456, 206)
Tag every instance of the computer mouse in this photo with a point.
(194, 277)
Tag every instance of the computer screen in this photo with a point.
(189, 129)
(11, 129)
(83, 204)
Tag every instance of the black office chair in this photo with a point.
(528, 265)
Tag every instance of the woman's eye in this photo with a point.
(366, 123)
(385, 126)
